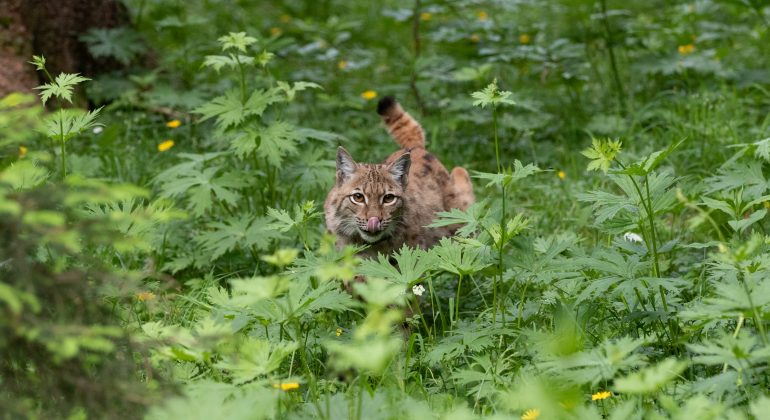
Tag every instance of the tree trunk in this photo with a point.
(51, 28)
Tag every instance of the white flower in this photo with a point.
(98, 129)
(633, 237)
(418, 289)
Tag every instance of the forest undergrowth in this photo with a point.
(163, 252)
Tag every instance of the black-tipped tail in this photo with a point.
(404, 129)
(385, 105)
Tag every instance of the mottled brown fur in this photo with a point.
(418, 181)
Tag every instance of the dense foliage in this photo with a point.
(163, 254)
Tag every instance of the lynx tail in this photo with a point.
(405, 130)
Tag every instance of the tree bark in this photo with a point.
(51, 28)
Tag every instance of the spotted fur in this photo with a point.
(390, 204)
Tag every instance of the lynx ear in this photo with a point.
(345, 165)
(399, 169)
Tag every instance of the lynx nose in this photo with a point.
(373, 225)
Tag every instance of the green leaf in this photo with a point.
(205, 399)
(229, 110)
(599, 364)
(281, 258)
(736, 352)
(763, 149)
(236, 40)
(23, 175)
(460, 258)
(62, 87)
(200, 185)
(291, 91)
(721, 205)
(256, 358)
(651, 379)
(602, 153)
(283, 220)
(123, 44)
(231, 61)
(371, 356)
(264, 58)
(745, 223)
(410, 268)
(324, 136)
(491, 95)
(748, 177)
(760, 407)
(650, 162)
(731, 298)
(469, 219)
(277, 141)
(68, 123)
(468, 74)
(238, 232)
(15, 299)
(39, 62)
(519, 172)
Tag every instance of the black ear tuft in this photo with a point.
(385, 105)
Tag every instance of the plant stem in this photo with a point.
(735, 335)
(757, 319)
(646, 203)
(457, 298)
(653, 231)
(242, 78)
(502, 219)
(613, 62)
(63, 147)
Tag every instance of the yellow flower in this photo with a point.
(338, 332)
(145, 296)
(287, 386)
(426, 16)
(601, 395)
(162, 147)
(524, 38)
(22, 152)
(285, 18)
(686, 49)
(173, 124)
(369, 95)
(342, 64)
(475, 38)
(482, 15)
(562, 175)
(531, 414)
(275, 31)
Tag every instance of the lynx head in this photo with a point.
(367, 199)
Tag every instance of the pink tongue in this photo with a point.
(373, 225)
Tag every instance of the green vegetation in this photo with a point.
(164, 255)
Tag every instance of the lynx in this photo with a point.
(390, 204)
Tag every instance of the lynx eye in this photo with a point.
(357, 198)
(388, 199)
